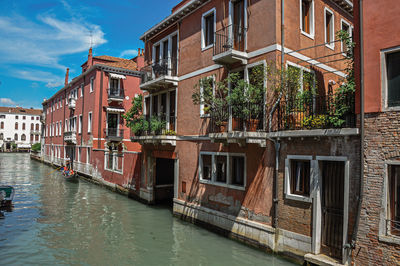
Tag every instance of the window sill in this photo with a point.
(298, 198)
(391, 109)
(311, 36)
(114, 171)
(332, 47)
(218, 184)
(390, 239)
(207, 47)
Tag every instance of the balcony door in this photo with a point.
(238, 27)
(112, 124)
(174, 56)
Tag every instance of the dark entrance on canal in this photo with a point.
(164, 181)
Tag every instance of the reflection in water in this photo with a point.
(58, 222)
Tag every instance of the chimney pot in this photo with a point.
(66, 77)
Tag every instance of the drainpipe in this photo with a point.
(361, 195)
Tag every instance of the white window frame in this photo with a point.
(288, 194)
(384, 81)
(312, 22)
(90, 120)
(342, 22)
(161, 44)
(80, 124)
(119, 84)
(202, 114)
(203, 29)
(82, 89)
(79, 153)
(213, 181)
(332, 44)
(115, 161)
(383, 236)
(302, 69)
(91, 84)
(61, 100)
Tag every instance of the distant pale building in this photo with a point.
(19, 128)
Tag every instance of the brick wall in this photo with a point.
(382, 142)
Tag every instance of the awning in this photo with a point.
(117, 76)
(115, 110)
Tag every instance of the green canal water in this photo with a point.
(55, 222)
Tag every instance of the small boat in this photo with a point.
(70, 175)
(6, 196)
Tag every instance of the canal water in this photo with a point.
(55, 222)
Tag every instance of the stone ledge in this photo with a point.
(331, 132)
(322, 260)
(160, 139)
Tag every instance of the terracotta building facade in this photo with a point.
(280, 184)
(378, 237)
(83, 122)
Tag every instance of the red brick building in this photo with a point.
(83, 121)
(282, 185)
(378, 61)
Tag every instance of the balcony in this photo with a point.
(70, 137)
(322, 115)
(35, 132)
(71, 103)
(156, 130)
(229, 46)
(114, 134)
(115, 95)
(161, 74)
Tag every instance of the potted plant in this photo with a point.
(157, 125)
(134, 117)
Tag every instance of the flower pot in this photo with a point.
(222, 127)
(252, 124)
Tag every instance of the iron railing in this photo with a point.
(163, 67)
(231, 37)
(114, 132)
(115, 93)
(153, 125)
(393, 227)
(314, 112)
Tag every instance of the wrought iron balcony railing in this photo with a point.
(115, 94)
(163, 67)
(231, 37)
(114, 133)
(153, 125)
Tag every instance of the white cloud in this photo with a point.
(6, 101)
(49, 78)
(43, 41)
(129, 53)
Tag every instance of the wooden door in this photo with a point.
(238, 25)
(332, 204)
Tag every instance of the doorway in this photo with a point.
(238, 25)
(332, 207)
(164, 180)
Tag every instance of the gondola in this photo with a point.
(70, 175)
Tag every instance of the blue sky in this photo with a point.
(39, 39)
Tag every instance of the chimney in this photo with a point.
(90, 58)
(66, 77)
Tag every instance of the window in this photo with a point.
(223, 169)
(16, 137)
(31, 137)
(208, 28)
(345, 27)
(393, 79)
(91, 84)
(114, 160)
(32, 118)
(300, 177)
(393, 208)
(298, 171)
(90, 122)
(23, 137)
(24, 117)
(61, 100)
(307, 17)
(306, 77)
(36, 137)
(79, 153)
(2, 116)
(16, 125)
(2, 125)
(114, 84)
(80, 124)
(23, 126)
(1, 136)
(16, 117)
(37, 126)
(32, 126)
(66, 125)
(329, 29)
(82, 90)
(207, 89)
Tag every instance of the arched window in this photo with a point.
(23, 137)
(23, 126)
(16, 125)
(2, 125)
(16, 137)
(1, 136)
(31, 137)
(32, 126)
(37, 126)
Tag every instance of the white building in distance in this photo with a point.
(19, 128)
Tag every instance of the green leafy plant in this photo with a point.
(36, 147)
(318, 121)
(134, 117)
(157, 125)
(170, 132)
